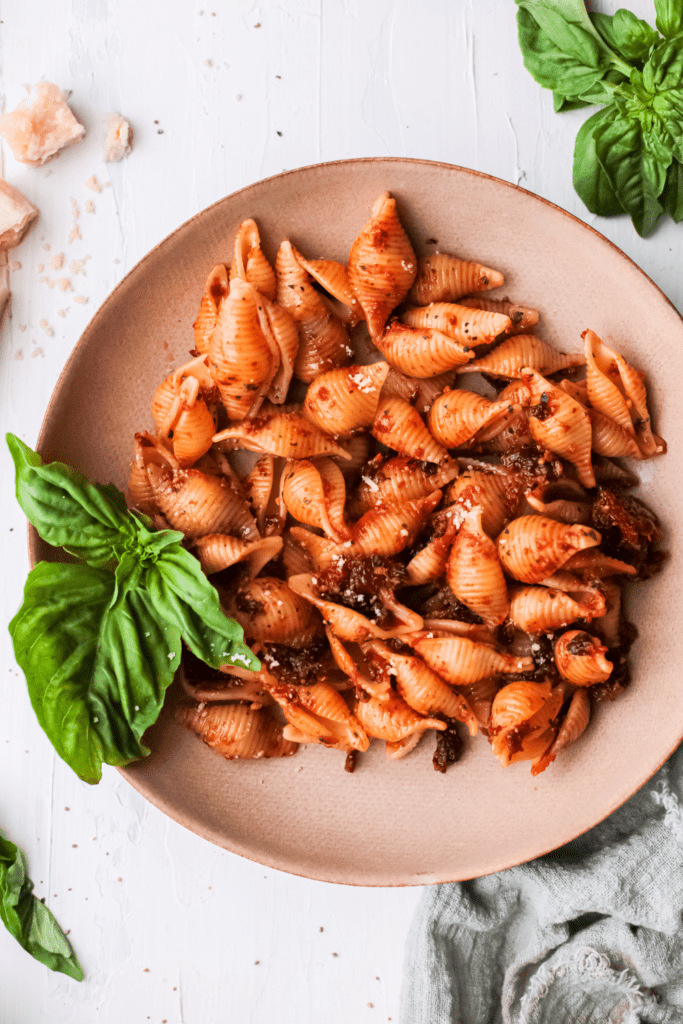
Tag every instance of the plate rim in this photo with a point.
(34, 542)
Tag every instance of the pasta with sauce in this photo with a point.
(406, 551)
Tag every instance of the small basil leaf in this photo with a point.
(672, 196)
(669, 17)
(591, 182)
(68, 511)
(180, 592)
(626, 34)
(28, 920)
(96, 663)
(664, 68)
(627, 164)
(562, 103)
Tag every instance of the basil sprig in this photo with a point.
(99, 641)
(628, 157)
(28, 920)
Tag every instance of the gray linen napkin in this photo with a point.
(589, 934)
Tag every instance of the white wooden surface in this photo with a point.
(222, 93)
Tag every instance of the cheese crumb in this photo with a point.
(78, 266)
(89, 206)
(16, 215)
(41, 126)
(93, 183)
(119, 141)
(62, 312)
(81, 299)
(57, 262)
(46, 327)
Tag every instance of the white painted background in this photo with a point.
(168, 927)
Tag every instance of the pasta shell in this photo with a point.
(421, 351)
(235, 731)
(533, 547)
(382, 264)
(423, 690)
(602, 375)
(508, 358)
(199, 504)
(459, 660)
(344, 401)
(543, 609)
(289, 435)
(429, 565)
(574, 724)
(474, 572)
(480, 697)
(397, 425)
(392, 720)
(243, 360)
(400, 479)
(295, 558)
(493, 492)
(166, 402)
(140, 493)
(608, 438)
(508, 434)
(388, 529)
(563, 510)
(399, 748)
(580, 658)
(334, 278)
(320, 713)
(249, 263)
(560, 423)
(521, 718)
(258, 486)
(269, 611)
(215, 290)
(321, 552)
(193, 426)
(315, 494)
(456, 416)
(362, 678)
(428, 389)
(324, 342)
(463, 324)
(350, 625)
(522, 318)
(593, 564)
(445, 278)
(283, 336)
(217, 551)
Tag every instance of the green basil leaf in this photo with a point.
(555, 69)
(562, 103)
(180, 592)
(672, 196)
(97, 663)
(88, 520)
(628, 165)
(28, 920)
(669, 17)
(664, 68)
(591, 182)
(625, 34)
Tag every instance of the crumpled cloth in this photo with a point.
(589, 934)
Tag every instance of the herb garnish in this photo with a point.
(28, 920)
(628, 156)
(99, 641)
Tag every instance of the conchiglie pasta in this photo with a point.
(493, 492)
(474, 572)
(322, 715)
(540, 609)
(392, 719)
(348, 624)
(421, 351)
(199, 503)
(382, 264)
(457, 416)
(508, 358)
(289, 435)
(560, 423)
(398, 426)
(249, 263)
(522, 318)
(580, 658)
(445, 278)
(215, 291)
(533, 547)
(460, 661)
(388, 529)
(217, 551)
(315, 494)
(399, 479)
(343, 401)
(270, 612)
(468, 326)
(236, 731)
(523, 724)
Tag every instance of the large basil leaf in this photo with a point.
(97, 664)
(672, 196)
(179, 590)
(630, 168)
(28, 920)
(558, 68)
(627, 35)
(591, 181)
(88, 520)
(669, 17)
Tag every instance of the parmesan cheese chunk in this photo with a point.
(16, 213)
(119, 141)
(41, 126)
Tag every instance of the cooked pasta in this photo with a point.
(405, 556)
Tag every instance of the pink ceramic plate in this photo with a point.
(397, 823)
